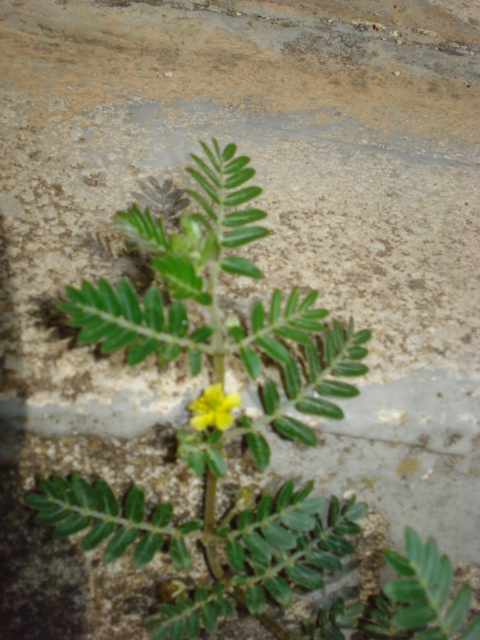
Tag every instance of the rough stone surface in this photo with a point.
(362, 122)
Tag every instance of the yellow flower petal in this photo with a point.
(213, 408)
(202, 421)
(223, 420)
(198, 405)
(231, 401)
(214, 392)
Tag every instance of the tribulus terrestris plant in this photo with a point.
(261, 549)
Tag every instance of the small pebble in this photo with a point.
(168, 74)
(399, 42)
(396, 73)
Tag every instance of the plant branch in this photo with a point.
(290, 404)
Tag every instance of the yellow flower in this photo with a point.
(214, 409)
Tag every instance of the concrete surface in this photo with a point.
(362, 121)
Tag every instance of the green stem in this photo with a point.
(219, 374)
(220, 349)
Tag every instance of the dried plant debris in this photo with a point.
(164, 200)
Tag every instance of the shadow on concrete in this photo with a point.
(42, 581)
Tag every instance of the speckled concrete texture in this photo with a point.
(361, 119)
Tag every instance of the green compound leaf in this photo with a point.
(251, 362)
(298, 521)
(399, 563)
(215, 462)
(239, 218)
(189, 526)
(292, 301)
(135, 504)
(313, 362)
(37, 501)
(264, 507)
(241, 196)
(177, 319)
(202, 333)
(196, 462)
(153, 309)
(337, 544)
(117, 546)
(414, 616)
(179, 275)
(258, 547)
(292, 379)
(319, 407)
(333, 512)
(278, 536)
(240, 266)
(415, 549)
(179, 554)
(195, 361)
(260, 449)
(51, 515)
(458, 610)
(324, 560)
(305, 576)
(163, 514)
(275, 307)
(245, 518)
(472, 632)
(311, 506)
(229, 152)
(255, 599)
(257, 317)
(239, 178)
(101, 319)
(243, 235)
(147, 548)
(338, 389)
(209, 617)
(203, 203)
(442, 590)
(357, 353)
(293, 334)
(237, 164)
(350, 369)
(97, 534)
(354, 510)
(204, 184)
(70, 525)
(279, 590)
(308, 300)
(83, 492)
(192, 626)
(405, 590)
(206, 170)
(143, 229)
(284, 497)
(270, 397)
(303, 493)
(362, 336)
(295, 430)
(274, 349)
(138, 352)
(235, 555)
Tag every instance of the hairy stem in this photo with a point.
(219, 372)
(219, 347)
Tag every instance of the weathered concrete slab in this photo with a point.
(362, 121)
